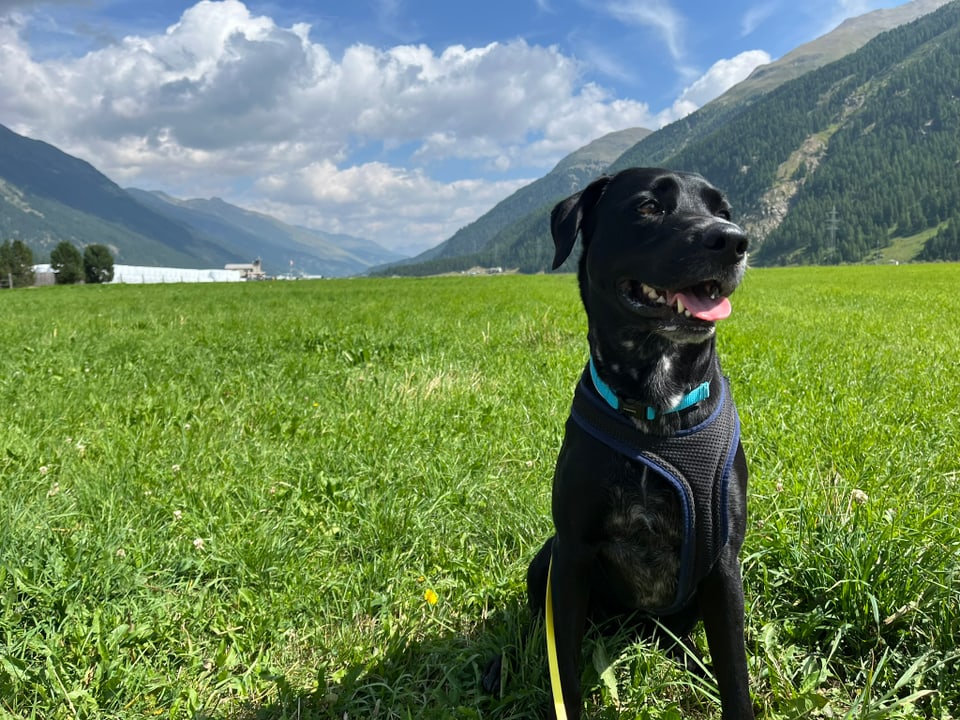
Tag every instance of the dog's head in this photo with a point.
(660, 253)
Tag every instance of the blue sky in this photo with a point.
(395, 120)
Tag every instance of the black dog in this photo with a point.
(649, 494)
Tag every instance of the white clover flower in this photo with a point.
(198, 543)
(858, 496)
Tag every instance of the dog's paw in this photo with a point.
(491, 676)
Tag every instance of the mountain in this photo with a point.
(570, 173)
(866, 145)
(848, 37)
(47, 196)
(854, 160)
(280, 246)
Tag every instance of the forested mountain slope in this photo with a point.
(858, 160)
(850, 36)
(874, 136)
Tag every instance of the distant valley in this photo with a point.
(48, 196)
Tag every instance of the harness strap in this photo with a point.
(559, 707)
(695, 462)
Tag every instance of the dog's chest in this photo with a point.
(643, 537)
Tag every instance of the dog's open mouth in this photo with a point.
(704, 301)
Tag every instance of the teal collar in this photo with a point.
(698, 394)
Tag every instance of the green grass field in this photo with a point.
(318, 499)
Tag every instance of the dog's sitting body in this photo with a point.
(660, 258)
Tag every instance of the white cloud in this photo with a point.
(721, 76)
(221, 78)
(224, 95)
(611, 64)
(590, 115)
(849, 8)
(756, 16)
(375, 200)
(656, 14)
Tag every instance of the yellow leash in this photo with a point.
(558, 705)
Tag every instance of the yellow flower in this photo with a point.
(431, 597)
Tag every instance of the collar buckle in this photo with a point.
(636, 409)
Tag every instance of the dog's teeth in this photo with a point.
(687, 313)
(679, 305)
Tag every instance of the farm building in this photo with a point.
(143, 274)
(249, 271)
(136, 274)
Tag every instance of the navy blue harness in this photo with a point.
(695, 462)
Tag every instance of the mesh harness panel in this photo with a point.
(695, 462)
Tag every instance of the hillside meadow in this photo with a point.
(318, 499)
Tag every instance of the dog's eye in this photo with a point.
(650, 208)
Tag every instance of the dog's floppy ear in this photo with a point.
(567, 218)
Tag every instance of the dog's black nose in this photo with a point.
(727, 238)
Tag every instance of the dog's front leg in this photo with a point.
(570, 594)
(721, 604)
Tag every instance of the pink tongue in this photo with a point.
(703, 308)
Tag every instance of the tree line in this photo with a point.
(69, 265)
